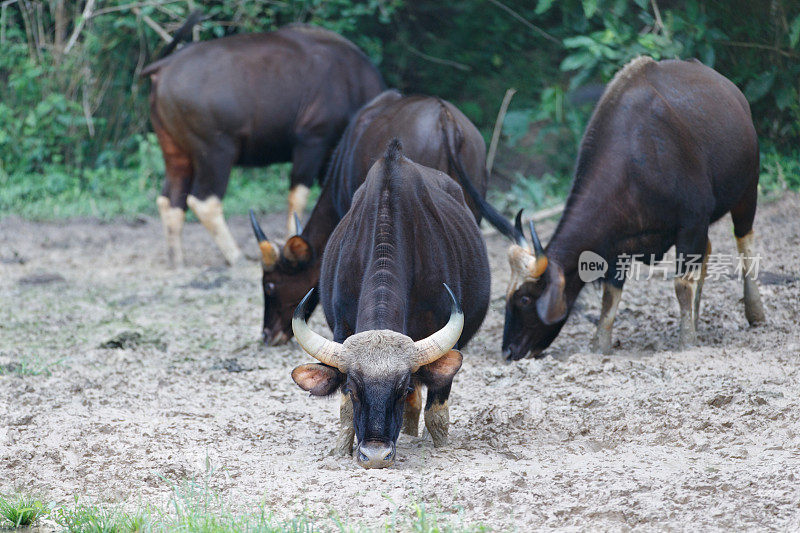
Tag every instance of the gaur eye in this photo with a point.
(269, 288)
(409, 389)
(525, 301)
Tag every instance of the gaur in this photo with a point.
(251, 100)
(408, 233)
(669, 149)
(433, 132)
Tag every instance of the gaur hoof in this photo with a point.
(440, 442)
(342, 451)
(234, 259)
(601, 346)
(687, 342)
(411, 427)
(755, 315)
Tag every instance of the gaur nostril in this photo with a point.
(363, 458)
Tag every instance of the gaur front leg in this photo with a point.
(412, 410)
(344, 440)
(209, 212)
(308, 164)
(703, 272)
(753, 309)
(691, 251)
(686, 291)
(437, 415)
(601, 342)
(298, 199)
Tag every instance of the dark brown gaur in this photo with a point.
(670, 149)
(433, 132)
(251, 100)
(387, 274)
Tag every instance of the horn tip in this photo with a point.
(297, 227)
(259, 233)
(299, 311)
(456, 306)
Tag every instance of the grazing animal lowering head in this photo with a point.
(375, 370)
(287, 274)
(536, 305)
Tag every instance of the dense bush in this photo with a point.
(72, 108)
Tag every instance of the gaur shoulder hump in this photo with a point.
(622, 79)
(394, 151)
(322, 32)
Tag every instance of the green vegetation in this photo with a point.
(28, 364)
(106, 192)
(195, 507)
(74, 116)
(20, 511)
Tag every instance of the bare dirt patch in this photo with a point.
(116, 371)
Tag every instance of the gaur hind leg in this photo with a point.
(308, 162)
(601, 342)
(690, 253)
(437, 414)
(412, 410)
(172, 201)
(346, 434)
(742, 215)
(212, 171)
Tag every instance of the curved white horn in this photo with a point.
(317, 346)
(432, 348)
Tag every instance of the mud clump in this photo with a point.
(131, 340)
(41, 278)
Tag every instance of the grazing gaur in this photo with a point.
(408, 232)
(433, 132)
(670, 148)
(251, 100)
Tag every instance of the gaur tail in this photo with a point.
(454, 139)
(182, 34)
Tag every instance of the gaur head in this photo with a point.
(374, 368)
(286, 277)
(536, 307)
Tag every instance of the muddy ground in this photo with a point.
(119, 373)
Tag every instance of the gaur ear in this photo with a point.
(441, 371)
(552, 304)
(297, 250)
(319, 380)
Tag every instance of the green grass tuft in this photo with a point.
(102, 519)
(21, 510)
(28, 365)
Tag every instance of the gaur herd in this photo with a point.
(393, 251)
